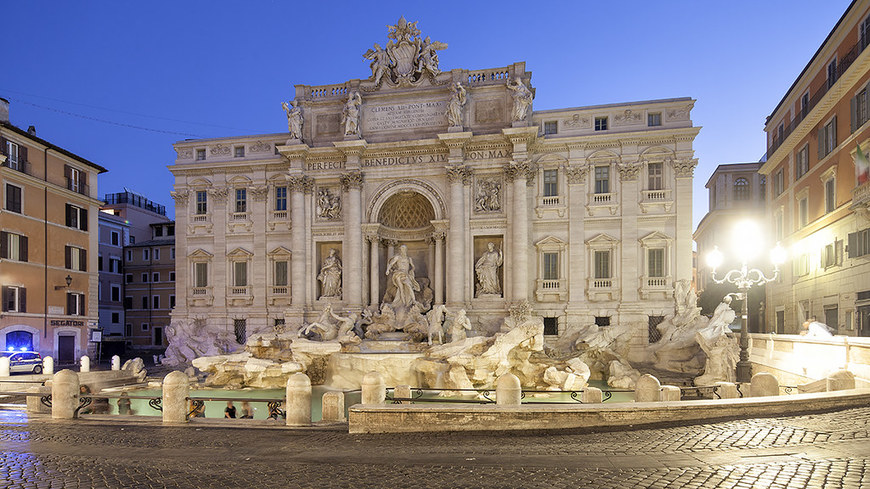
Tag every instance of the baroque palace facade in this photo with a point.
(584, 213)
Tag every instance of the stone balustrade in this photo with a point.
(796, 359)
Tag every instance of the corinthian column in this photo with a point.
(520, 174)
(297, 239)
(351, 182)
(456, 176)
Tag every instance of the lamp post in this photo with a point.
(747, 245)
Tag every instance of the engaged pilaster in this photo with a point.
(457, 177)
(351, 183)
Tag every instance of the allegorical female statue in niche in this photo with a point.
(454, 107)
(330, 275)
(487, 270)
(522, 99)
(350, 114)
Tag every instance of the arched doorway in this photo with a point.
(19, 341)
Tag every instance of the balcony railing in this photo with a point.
(602, 198)
(656, 282)
(200, 218)
(279, 290)
(201, 291)
(239, 216)
(651, 195)
(861, 196)
(18, 165)
(235, 290)
(552, 200)
(279, 215)
(602, 283)
(844, 63)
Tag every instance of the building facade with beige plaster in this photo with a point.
(584, 213)
(149, 295)
(49, 223)
(818, 209)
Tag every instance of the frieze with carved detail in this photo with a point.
(260, 147)
(219, 150)
(180, 197)
(628, 171)
(406, 58)
(259, 194)
(487, 195)
(185, 153)
(219, 194)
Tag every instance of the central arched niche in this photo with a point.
(406, 210)
(406, 219)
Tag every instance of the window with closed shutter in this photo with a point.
(13, 198)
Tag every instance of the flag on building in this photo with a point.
(862, 167)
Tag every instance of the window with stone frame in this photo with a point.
(13, 246)
(281, 273)
(654, 119)
(200, 154)
(741, 189)
(655, 264)
(551, 127)
(551, 266)
(280, 198)
(241, 200)
(239, 152)
(655, 176)
(279, 264)
(13, 198)
(201, 202)
(802, 162)
(602, 179)
(778, 182)
(14, 298)
(600, 123)
(829, 179)
(200, 274)
(551, 182)
(602, 264)
(803, 212)
(240, 274)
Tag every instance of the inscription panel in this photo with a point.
(327, 123)
(489, 111)
(395, 117)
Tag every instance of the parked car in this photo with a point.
(24, 361)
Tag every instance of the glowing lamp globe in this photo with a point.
(747, 240)
(714, 258)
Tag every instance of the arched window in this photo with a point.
(741, 189)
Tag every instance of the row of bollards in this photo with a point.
(176, 394)
(48, 365)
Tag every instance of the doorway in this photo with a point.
(158, 335)
(66, 349)
(832, 318)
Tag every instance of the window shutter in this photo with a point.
(22, 153)
(838, 252)
(68, 215)
(83, 220)
(853, 112)
(67, 256)
(3, 146)
(22, 299)
(4, 244)
(853, 244)
(22, 247)
(834, 130)
(67, 174)
(821, 148)
(83, 260)
(70, 304)
(5, 298)
(822, 258)
(81, 304)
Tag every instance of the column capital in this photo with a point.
(300, 183)
(459, 173)
(628, 171)
(390, 242)
(351, 180)
(519, 169)
(684, 168)
(260, 193)
(441, 227)
(180, 196)
(219, 194)
(576, 174)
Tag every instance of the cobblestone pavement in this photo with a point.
(820, 450)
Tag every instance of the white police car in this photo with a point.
(24, 361)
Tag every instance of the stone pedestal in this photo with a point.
(116, 362)
(402, 391)
(374, 391)
(48, 365)
(4, 366)
(298, 400)
(333, 407)
(508, 391)
(64, 395)
(647, 389)
(670, 393)
(176, 390)
(592, 395)
(764, 384)
(840, 380)
(85, 364)
(727, 390)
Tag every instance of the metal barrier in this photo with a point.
(484, 396)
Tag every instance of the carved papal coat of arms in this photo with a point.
(406, 58)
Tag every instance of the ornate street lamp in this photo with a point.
(747, 246)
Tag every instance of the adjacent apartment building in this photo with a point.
(817, 207)
(114, 234)
(48, 245)
(582, 212)
(149, 280)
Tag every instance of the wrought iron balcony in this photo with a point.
(18, 165)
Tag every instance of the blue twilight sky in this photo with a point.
(165, 71)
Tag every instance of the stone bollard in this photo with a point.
(726, 390)
(333, 406)
(48, 365)
(671, 393)
(4, 366)
(647, 389)
(508, 391)
(374, 390)
(298, 407)
(85, 364)
(116, 362)
(764, 384)
(64, 395)
(34, 403)
(840, 380)
(402, 391)
(592, 395)
(176, 390)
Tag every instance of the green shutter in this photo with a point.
(853, 113)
